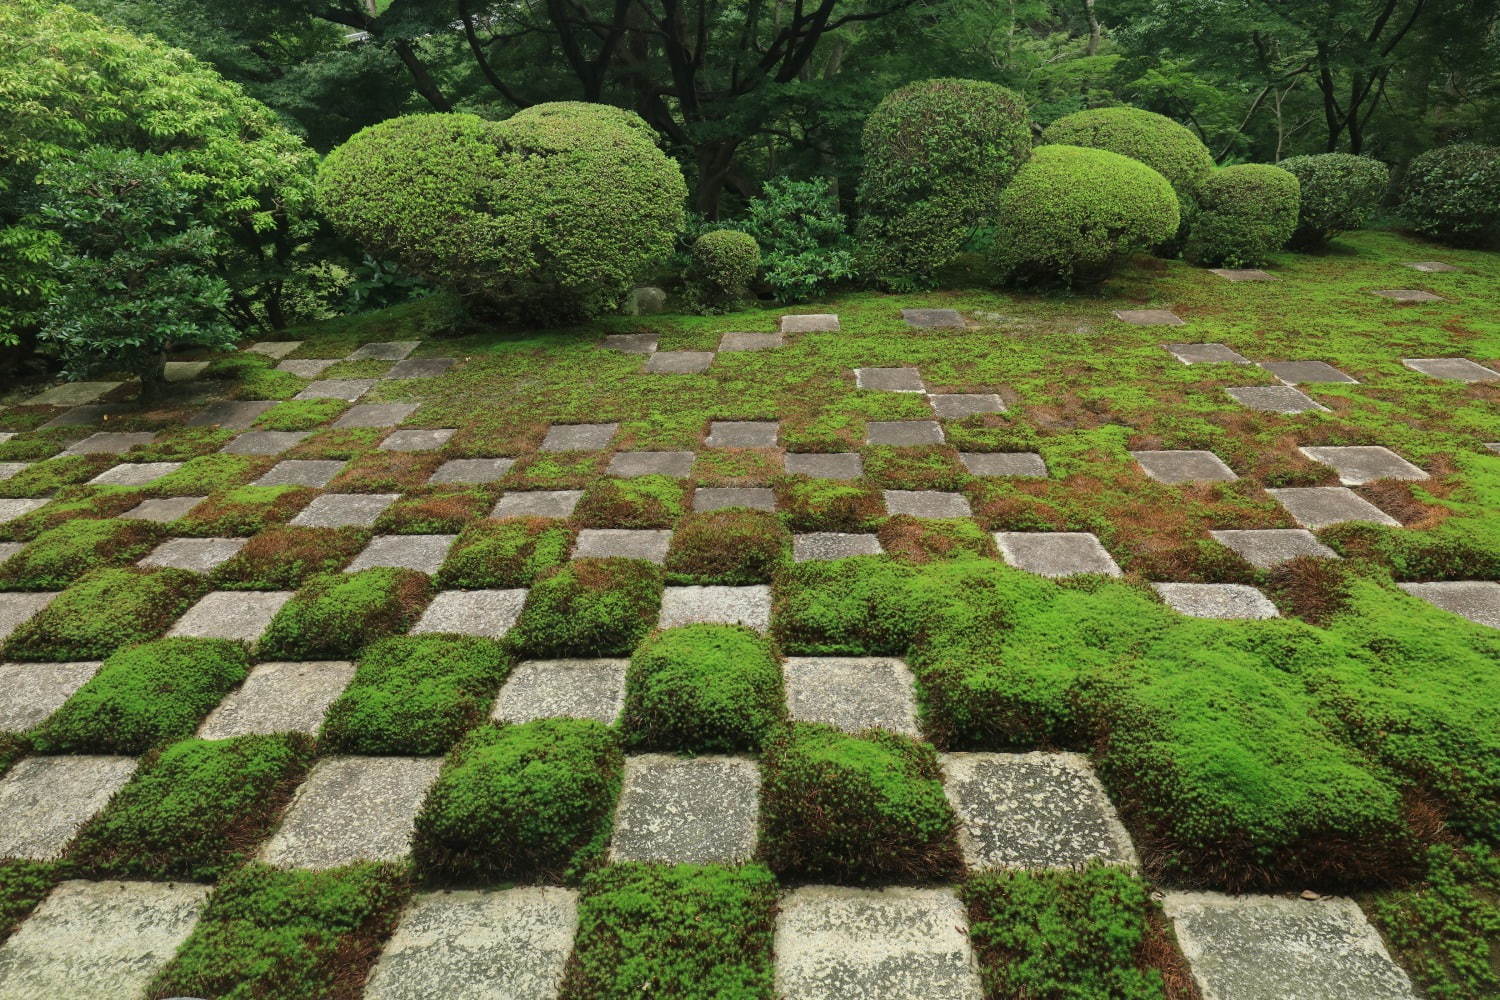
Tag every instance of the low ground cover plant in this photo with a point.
(61, 555)
(242, 511)
(640, 502)
(106, 610)
(334, 615)
(733, 547)
(513, 552)
(590, 607)
(287, 556)
(703, 688)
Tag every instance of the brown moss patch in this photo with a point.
(918, 541)
(728, 548)
(285, 557)
(436, 510)
(386, 472)
(928, 467)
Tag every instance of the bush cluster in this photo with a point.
(1453, 193)
(505, 554)
(1155, 140)
(1338, 193)
(336, 614)
(704, 688)
(590, 607)
(724, 262)
(1245, 213)
(800, 231)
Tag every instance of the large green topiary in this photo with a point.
(1339, 191)
(1246, 213)
(1453, 193)
(1156, 140)
(1071, 213)
(552, 212)
(937, 154)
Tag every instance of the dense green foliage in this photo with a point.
(23, 884)
(1155, 140)
(505, 554)
(732, 547)
(286, 556)
(1338, 194)
(334, 615)
(1453, 193)
(800, 231)
(704, 688)
(1245, 213)
(724, 262)
(638, 502)
(1444, 928)
(590, 607)
(242, 511)
(106, 610)
(61, 555)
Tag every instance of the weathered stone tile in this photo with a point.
(279, 698)
(9, 469)
(699, 810)
(487, 613)
(134, 473)
(44, 800)
(1148, 317)
(1476, 600)
(301, 472)
(1266, 548)
(889, 379)
(344, 510)
(957, 405)
(72, 393)
(551, 689)
(833, 545)
(163, 509)
(1174, 467)
(1455, 369)
(417, 439)
(197, 554)
(1431, 266)
(110, 442)
(1294, 372)
(748, 606)
(679, 362)
(904, 432)
(845, 465)
(232, 415)
(376, 414)
(472, 470)
(675, 464)
(707, 498)
(1320, 506)
(421, 368)
(1407, 295)
(1055, 553)
(8, 549)
(12, 509)
(84, 416)
(623, 543)
(810, 323)
(1216, 600)
(927, 503)
(231, 614)
(352, 809)
(308, 368)
(347, 389)
(183, 371)
(390, 350)
(1242, 274)
(630, 343)
(264, 442)
(1205, 354)
(743, 433)
(933, 319)
(16, 608)
(538, 503)
(750, 342)
(29, 692)
(1274, 399)
(579, 437)
(274, 348)
(1357, 465)
(423, 553)
(852, 693)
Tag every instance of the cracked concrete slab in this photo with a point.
(687, 810)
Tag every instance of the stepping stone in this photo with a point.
(309, 368)
(1242, 274)
(487, 613)
(99, 940)
(748, 606)
(110, 443)
(630, 343)
(347, 389)
(135, 473)
(933, 319)
(679, 362)
(899, 943)
(623, 543)
(1360, 464)
(279, 698)
(1294, 372)
(183, 371)
(29, 692)
(927, 503)
(232, 416)
(390, 350)
(1274, 399)
(16, 608)
(417, 439)
(72, 393)
(579, 437)
(44, 800)
(1216, 600)
(376, 414)
(1267, 548)
(162, 510)
(1149, 317)
(1407, 295)
(8, 549)
(538, 503)
(197, 554)
(957, 405)
(1002, 463)
(904, 432)
(1205, 354)
(472, 470)
(1174, 467)
(421, 368)
(423, 553)
(810, 323)
(673, 464)
(9, 469)
(687, 810)
(12, 509)
(1321, 506)
(1055, 553)
(344, 510)
(231, 614)
(743, 433)
(556, 689)
(352, 809)
(1493, 446)
(852, 693)
(889, 379)
(1431, 266)
(1456, 369)
(6, 435)
(1476, 600)
(274, 348)
(833, 545)
(844, 465)
(750, 342)
(264, 442)
(1033, 810)
(82, 416)
(1274, 948)
(504, 944)
(717, 498)
(301, 472)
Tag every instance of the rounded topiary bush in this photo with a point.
(1071, 213)
(937, 154)
(724, 262)
(1453, 193)
(552, 213)
(1245, 213)
(1338, 190)
(1156, 140)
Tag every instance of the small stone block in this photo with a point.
(1455, 369)
(232, 415)
(264, 442)
(810, 323)
(673, 464)
(390, 350)
(1242, 274)
(417, 439)
(1360, 464)
(927, 503)
(308, 368)
(134, 473)
(12, 509)
(1266, 548)
(1320, 506)
(1055, 553)
(1149, 317)
(16, 608)
(889, 379)
(1295, 372)
(8, 549)
(748, 606)
(344, 510)
(421, 368)
(750, 342)
(423, 553)
(110, 443)
(1431, 266)
(44, 800)
(933, 319)
(1476, 600)
(301, 472)
(846, 465)
(279, 698)
(630, 343)
(1205, 354)
(852, 693)
(83, 416)
(957, 405)
(1273, 399)
(538, 503)
(555, 689)
(347, 389)
(1408, 295)
(486, 613)
(579, 437)
(183, 371)
(29, 692)
(679, 362)
(1174, 467)
(623, 543)
(72, 394)
(676, 810)
(833, 545)
(904, 432)
(743, 433)
(352, 809)
(197, 554)
(376, 414)
(274, 348)
(723, 498)
(231, 614)
(163, 509)
(472, 470)
(9, 469)
(1216, 600)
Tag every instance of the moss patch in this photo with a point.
(243, 510)
(590, 607)
(728, 548)
(62, 554)
(435, 510)
(640, 502)
(334, 615)
(828, 505)
(105, 611)
(505, 554)
(285, 557)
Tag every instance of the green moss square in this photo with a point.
(728, 548)
(922, 540)
(62, 554)
(243, 511)
(505, 554)
(208, 474)
(105, 611)
(828, 505)
(590, 607)
(927, 467)
(300, 414)
(43, 479)
(334, 615)
(638, 502)
(704, 688)
(72, 503)
(287, 556)
(436, 510)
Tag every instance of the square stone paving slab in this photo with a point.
(12, 509)
(44, 800)
(1295, 372)
(264, 442)
(1274, 399)
(889, 379)
(957, 405)
(693, 810)
(376, 414)
(1004, 463)
(344, 510)
(927, 503)
(472, 470)
(134, 473)
(852, 693)
(748, 606)
(83, 416)
(1032, 810)
(8, 549)
(1431, 266)
(16, 608)
(1205, 354)
(899, 943)
(553, 689)
(810, 323)
(279, 698)
(1362, 464)
(423, 553)
(579, 437)
(933, 319)
(1407, 295)
(421, 368)
(231, 614)
(1476, 600)
(1149, 317)
(274, 348)
(722, 498)
(833, 545)
(347, 389)
(506, 944)
(1266, 548)
(674, 464)
(1242, 274)
(623, 543)
(487, 613)
(99, 940)
(1274, 948)
(1055, 553)
(1174, 467)
(844, 465)
(904, 432)
(197, 554)
(1320, 506)
(352, 809)
(417, 439)
(301, 472)
(743, 433)
(538, 503)
(390, 350)
(9, 469)
(679, 362)
(630, 343)
(163, 509)
(110, 442)
(72, 393)
(1216, 600)
(1454, 369)
(232, 415)
(309, 368)
(29, 692)
(750, 342)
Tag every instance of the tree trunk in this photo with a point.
(1096, 34)
(715, 162)
(421, 77)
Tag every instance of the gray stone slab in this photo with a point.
(197, 554)
(1205, 354)
(44, 800)
(347, 389)
(110, 443)
(1267, 548)
(1174, 467)
(1274, 399)
(83, 416)
(1360, 464)
(12, 509)
(472, 470)
(722, 498)
(957, 405)
(1032, 810)
(630, 343)
(6, 435)
(302, 472)
(852, 693)
(279, 698)
(579, 437)
(748, 606)
(417, 439)
(1295, 372)
(623, 543)
(389, 350)
(743, 433)
(904, 432)
(833, 545)
(1148, 317)
(183, 371)
(16, 608)
(1453, 369)
(1275, 948)
(99, 940)
(1493, 446)
(487, 613)
(1407, 295)
(8, 549)
(898, 943)
(810, 323)
(933, 319)
(423, 553)
(1216, 600)
(72, 393)
(29, 692)
(927, 503)
(1055, 553)
(1319, 506)
(308, 368)
(134, 473)
(421, 368)
(376, 414)
(9, 469)
(538, 503)
(553, 689)
(679, 362)
(1242, 274)
(750, 342)
(231, 415)
(274, 348)
(677, 810)
(889, 379)
(843, 465)
(676, 464)
(231, 614)
(352, 809)
(264, 442)
(507, 944)
(1476, 600)
(163, 509)
(344, 510)
(1431, 266)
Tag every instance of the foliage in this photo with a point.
(828, 505)
(1246, 213)
(724, 262)
(508, 553)
(590, 607)
(23, 884)
(60, 555)
(845, 607)
(1453, 193)
(703, 688)
(106, 610)
(1155, 140)
(286, 556)
(300, 414)
(800, 230)
(731, 547)
(921, 540)
(1338, 194)
(638, 502)
(336, 614)
(241, 511)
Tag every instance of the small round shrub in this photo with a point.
(724, 263)
(1156, 140)
(1072, 213)
(1339, 191)
(1245, 213)
(704, 688)
(1453, 193)
(937, 154)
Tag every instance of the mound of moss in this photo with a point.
(639, 502)
(334, 615)
(505, 554)
(287, 556)
(828, 505)
(590, 607)
(243, 511)
(704, 688)
(728, 548)
(107, 610)
(62, 554)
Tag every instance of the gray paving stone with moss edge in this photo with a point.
(197, 554)
(1055, 553)
(423, 553)
(347, 389)
(674, 464)
(579, 437)
(697, 810)
(44, 800)
(1431, 266)
(1205, 354)
(417, 439)
(743, 433)
(679, 362)
(1453, 369)
(927, 503)
(389, 350)
(110, 442)
(302, 472)
(87, 415)
(9, 469)
(889, 379)
(421, 368)
(135, 473)
(472, 470)
(852, 693)
(810, 323)
(623, 543)
(279, 698)
(274, 348)
(958, 405)
(630, 343)
(1476, 600)
(231, 614)
(748, 606)
(1173, 467)
(162, 509)
(344, 510)
(1216, 600)
(1320, 506)
(538, 503)
(842, 465)
(1242, 274)
(29, 692)
(309, 368)
(12, 509)
(1274, 399)
(1295, 372)
(833, 545)
(1407, 295)
(487, 613)
(1275, 948)
(1266, 548)
(551, 689)
(750, 342)
(265, 442)
(933, 319)
(1360, 464)
(16, 608)
(376, 414)
(183, 371)
(352, 809)
(904, 433)
(233, 415)
(707, 498)
(8, 549)
(1149, 317)
(72, 393)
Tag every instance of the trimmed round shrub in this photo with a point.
(1156, 140)
(1072, 213)
(1453, 193)
(1245, 213)
(705, 688)
(724, 263)
(937, 154)
(552, 213)
(1339, 191)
